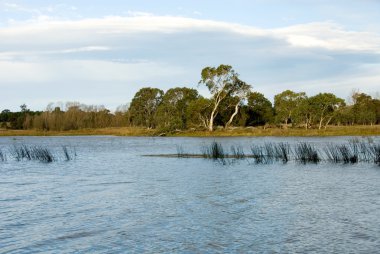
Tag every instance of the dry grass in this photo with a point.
(232, 132)
(330, 131)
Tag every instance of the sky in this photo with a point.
(103, 52)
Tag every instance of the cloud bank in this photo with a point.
(106, 60)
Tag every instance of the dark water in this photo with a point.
(110, 199)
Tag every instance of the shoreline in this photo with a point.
(232, 132)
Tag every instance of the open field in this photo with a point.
(232, 132)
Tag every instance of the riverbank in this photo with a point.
(232, 132)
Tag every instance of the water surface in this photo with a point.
(111, 199)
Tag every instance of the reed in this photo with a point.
(180, 151)
(258, 155)
(282, 151)
(375, 152)
(66, 153)
(42, 154)
(237, 152)
(349, 153)
(306, 153)
(214, 151)
(3, 157)
(365, 151)
(36, 153)
(332, 153)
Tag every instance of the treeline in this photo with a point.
(72, 116)
(232, 103)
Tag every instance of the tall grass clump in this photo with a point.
(259, 155)
(36, 153)
(306, 153)
(271, 152)
(375, 151)
(237, 152)
(20, 152)
(332, 153)
(349, 153)
(42, 154)
(282, 152)
(365, 151)
(214, 151)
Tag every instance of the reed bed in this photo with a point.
(37, 153)
(306, 153)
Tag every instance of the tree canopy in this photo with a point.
(223, 81)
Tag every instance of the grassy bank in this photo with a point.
(233, 132)
(330, 131)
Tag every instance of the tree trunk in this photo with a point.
(320, 123)
(286, 123)
(211, 122)
(327, 123)
(213, 115)
(233, 115)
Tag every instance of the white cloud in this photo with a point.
(138, 14)
(85, 49)
(330, 36)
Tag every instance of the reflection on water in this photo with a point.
(112, 199)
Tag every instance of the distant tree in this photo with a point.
(302, 115)
(364, 109)
(260, 109)
(144, 107)
(5, 115)
(198, 112)
(222, 81)
(324, 106)
(24, 108)
(285, 105)
(21, 117)
(345, 116)
(239, 93)
(171, 113)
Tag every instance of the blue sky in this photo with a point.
(102, 52)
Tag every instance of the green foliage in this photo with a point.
(172, 112)
(285, 104)
(198, 112)
(144, 107)
(260, 109)
(323, 107)
(222, 82)
(227, 108)
(365, 109)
